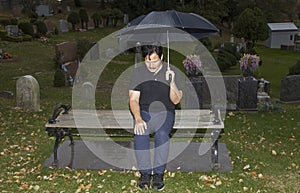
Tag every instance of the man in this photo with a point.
(153, 93)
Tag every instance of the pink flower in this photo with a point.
(249, 63)
(192, 65)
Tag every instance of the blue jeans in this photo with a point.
(160, 123)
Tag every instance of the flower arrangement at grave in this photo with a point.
(4, 55)
(192, 65)
(248, 64)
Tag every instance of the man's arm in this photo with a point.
(175, 93)
(140, 124)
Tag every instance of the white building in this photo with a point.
(281, 34)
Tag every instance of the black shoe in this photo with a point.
(158, 182)
(144, 182)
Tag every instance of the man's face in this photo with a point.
(153, 62)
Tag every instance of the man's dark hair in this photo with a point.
(150, 49)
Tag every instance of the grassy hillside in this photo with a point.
(264, 146)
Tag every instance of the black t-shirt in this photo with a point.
(154, 89)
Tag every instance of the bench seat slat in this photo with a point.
(122, 119)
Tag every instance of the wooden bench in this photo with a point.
(64, 121)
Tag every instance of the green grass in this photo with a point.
(266, 141)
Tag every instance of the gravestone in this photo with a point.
(50, 26)
(231, 86)
(17, 11)
(12, 30)
(69, 59)
(193, 94)
(42, 10)
(63, 25)
(91, 24)
(290, 89)
(263, 91)
(88, 92)
(204, 93)
(126, 19)
(68, 50)
(28, 93)
(95, 52)
(247, 94)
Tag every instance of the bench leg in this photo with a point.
(58, 139)
(214, 150)
(59, 135)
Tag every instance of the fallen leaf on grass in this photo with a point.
(24, 186)
(133, 183)
(260, 176)
(246, 167)
(294, 165)
(254, 174)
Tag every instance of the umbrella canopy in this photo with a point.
(191, 23)
(166, 26)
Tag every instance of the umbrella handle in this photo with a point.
(170, 78)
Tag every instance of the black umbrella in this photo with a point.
(191, 23)
(165, 26)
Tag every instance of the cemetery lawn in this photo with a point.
(264, 146)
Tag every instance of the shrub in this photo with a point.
(13, 21)
(207, 43)
(59, 78)
(56, 32)
(17, 38)
(225, 60)
(4, 22)
(78, 3)
(227, 57)
(295, 69)
(27, 28)
(83, 46)
(96, 19)
(41, 27)
(74, 19)
(3, 33)
(84, 18)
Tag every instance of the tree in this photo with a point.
(96, 19)
(41, 27)
(117, 15)
(74, 19)
(252, 26)
(214, 10)
(78, 3)
(84, 18)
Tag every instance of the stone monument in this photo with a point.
(63, 25)
(247, 94)
(28, 93)
(290, 89)
(262, 95)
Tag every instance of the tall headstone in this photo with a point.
(247, 94)
(50, 26)
(193, 94)
(28, 93)
(12, 30)
(126, 19)
(290, 89)
(63, 25)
